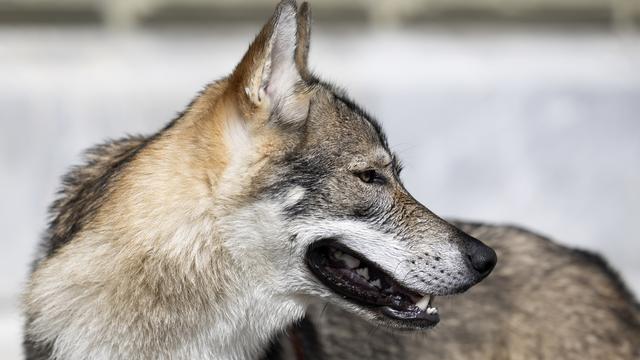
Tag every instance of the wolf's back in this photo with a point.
(83, 188)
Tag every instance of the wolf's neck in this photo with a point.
(243, 307)
(249, 323)
(240, 311)
(254, 309)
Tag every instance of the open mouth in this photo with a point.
(362, 282)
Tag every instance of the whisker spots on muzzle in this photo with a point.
(398, 265)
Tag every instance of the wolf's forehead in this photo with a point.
(359, 116)
(374, 156)
(381, 155)
(351, 127)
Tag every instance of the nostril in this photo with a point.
(483, 260)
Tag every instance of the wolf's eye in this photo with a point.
(370, 177)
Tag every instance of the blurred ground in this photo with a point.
(534, 127)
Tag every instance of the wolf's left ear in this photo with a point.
(272, 74)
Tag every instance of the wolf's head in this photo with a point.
(308, 193)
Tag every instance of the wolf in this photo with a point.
(209, 238)
(273, 200)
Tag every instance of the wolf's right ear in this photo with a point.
(272, 74)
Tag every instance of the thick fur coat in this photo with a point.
(211, 237)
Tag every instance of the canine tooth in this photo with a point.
(423, 304)
(432, 311)
(376, 283)
(364, 272)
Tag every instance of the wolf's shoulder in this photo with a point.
(84, 187)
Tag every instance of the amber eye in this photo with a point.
(370, 177)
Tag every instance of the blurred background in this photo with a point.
(507, 111)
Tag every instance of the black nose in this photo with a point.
(483, 258)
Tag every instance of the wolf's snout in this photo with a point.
(482, 258)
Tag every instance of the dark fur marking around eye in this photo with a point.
(371, 177)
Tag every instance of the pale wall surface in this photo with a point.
(535, 128)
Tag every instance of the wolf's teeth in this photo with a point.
(431, 311)
(376, 283)
(423, 304)
(349, 260)
(364, 272)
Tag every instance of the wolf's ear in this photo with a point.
(303, 41)
(272, 73)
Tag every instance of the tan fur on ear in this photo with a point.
(248, 74)
(268, 72)
(303, 40)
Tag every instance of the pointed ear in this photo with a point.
(269, 75)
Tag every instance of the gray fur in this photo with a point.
(193, 242)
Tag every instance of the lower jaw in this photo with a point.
(400, 319)
(409, 318)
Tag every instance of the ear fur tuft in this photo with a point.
(269, 76)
